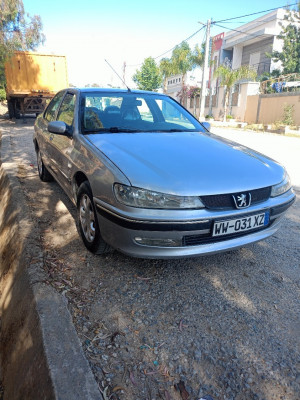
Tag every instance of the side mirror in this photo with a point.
(206, 125)
(58, 127)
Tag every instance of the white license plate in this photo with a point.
(230, 226)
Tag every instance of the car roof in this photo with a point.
(112, 90)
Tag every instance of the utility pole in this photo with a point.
(205, 70)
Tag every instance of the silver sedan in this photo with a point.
(151, 181)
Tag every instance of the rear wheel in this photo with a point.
(17, 110)
(87, 221)
(44, 174)
(11, 111)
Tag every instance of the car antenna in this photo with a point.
(129, 90)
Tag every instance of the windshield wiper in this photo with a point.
(173, 130)
(113, 129)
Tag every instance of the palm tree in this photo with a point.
(182, 60)
(197, 56)
(230, 76)
(167, 69)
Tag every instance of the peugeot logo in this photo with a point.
(242, 200)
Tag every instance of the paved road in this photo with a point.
(281, 148)
(225, 325)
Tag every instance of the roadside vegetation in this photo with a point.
(18, 31)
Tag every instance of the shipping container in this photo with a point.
(32, 79)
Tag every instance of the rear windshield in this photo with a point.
(117, 112)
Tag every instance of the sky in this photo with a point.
(90, 31)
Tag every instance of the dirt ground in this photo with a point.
(225, 325)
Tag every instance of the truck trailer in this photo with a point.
(32, 79)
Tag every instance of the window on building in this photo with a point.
(254, 60)
(235, 95)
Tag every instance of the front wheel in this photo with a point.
(87, 221)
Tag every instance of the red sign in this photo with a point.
(217, 41)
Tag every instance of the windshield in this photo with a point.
(134, 112)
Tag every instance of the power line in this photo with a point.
(245, 33)
(223, 27)
(258, 12)
(257, 22)
(168, 51)
(185, 40)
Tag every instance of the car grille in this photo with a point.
(222, 201)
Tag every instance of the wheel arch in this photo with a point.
(78, 179)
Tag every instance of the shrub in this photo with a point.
(288, 114)
(2, 94)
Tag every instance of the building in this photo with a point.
(248, 45)
(191, 79)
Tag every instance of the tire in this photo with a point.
(17, 111)
(11, 111)
(88, 223)
(44, 174)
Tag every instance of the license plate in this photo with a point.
(230, 226)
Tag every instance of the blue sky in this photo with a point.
(89, 31)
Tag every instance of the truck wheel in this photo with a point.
(11, 111)
(87, 221)
(44, 174)
(17, 110)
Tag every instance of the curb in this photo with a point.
(41, 356)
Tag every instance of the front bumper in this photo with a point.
(190, 230)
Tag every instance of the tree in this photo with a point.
(149, 76)
(197, 56)
(18, 31)
(230, 76)
(290, 34)
(167, 69)
(182, 60)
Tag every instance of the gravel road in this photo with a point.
(225, 326)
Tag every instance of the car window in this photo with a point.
(53, 106)
(66, 111)
(129, 111)
(144, 110)
(174, 115)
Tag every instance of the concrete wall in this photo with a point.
(251, 109)
(238, 111)
(272, 107)
(246, 89)
(268, 108)
(218, 110)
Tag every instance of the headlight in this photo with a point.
(282, 187)
(142, 198)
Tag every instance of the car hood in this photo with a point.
(187, 163)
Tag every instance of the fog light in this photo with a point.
(158, 242)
